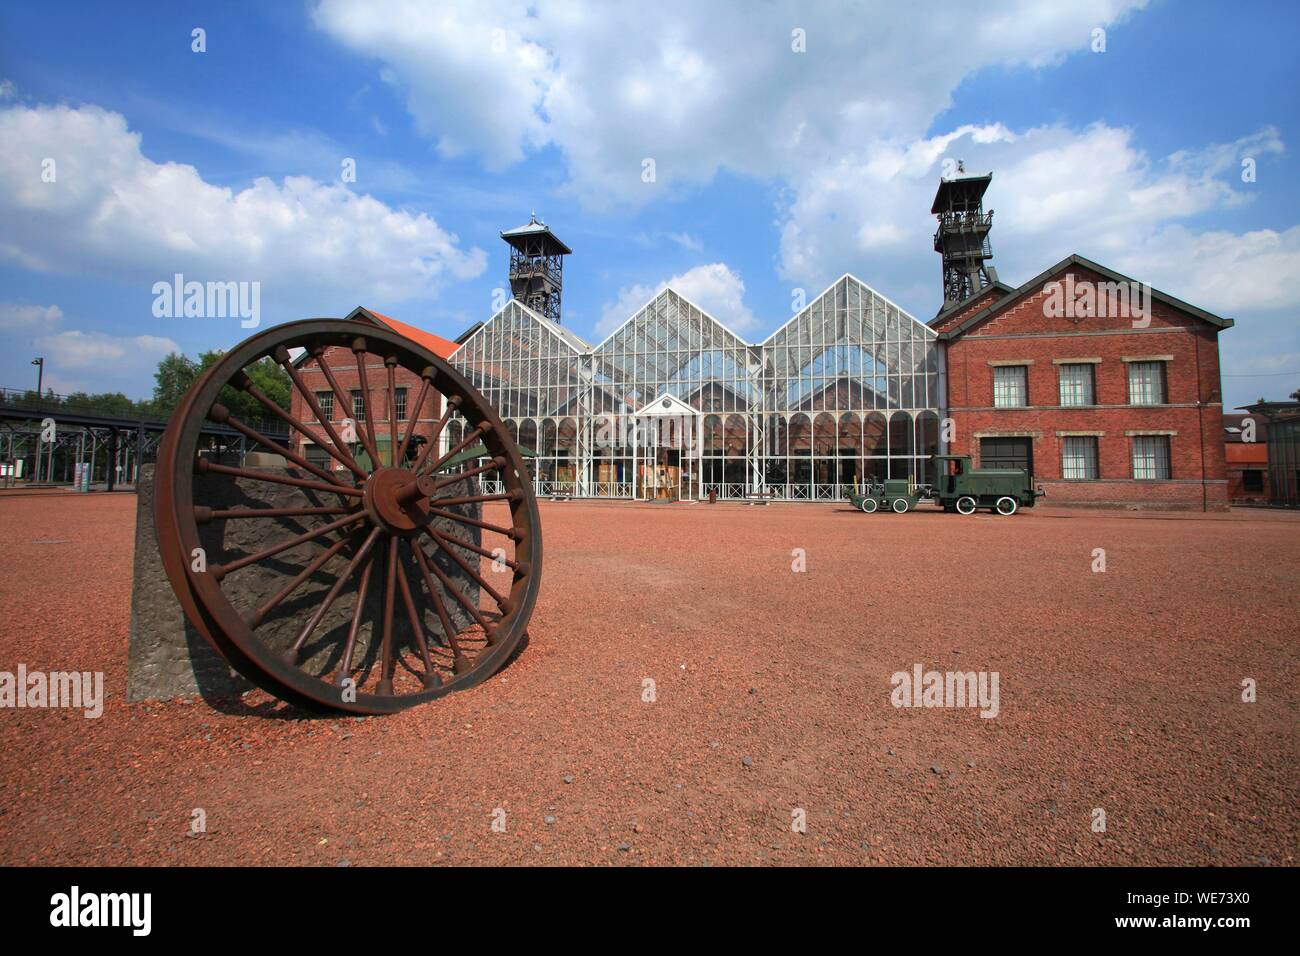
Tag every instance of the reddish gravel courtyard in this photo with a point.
(1119, 690)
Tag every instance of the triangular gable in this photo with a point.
(515, 308)
(1035, 285)
(665, 295)
(665, 404)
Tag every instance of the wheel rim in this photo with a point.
(435, 621)
(900, 506)
(1006, 506)
(966, 505)
(868, 505)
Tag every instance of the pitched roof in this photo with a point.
(436, 344)
(535, 228)
(945, 311)
(1034, 284)
(965, 182)
(569, 338)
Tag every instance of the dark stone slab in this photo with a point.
(168, 658)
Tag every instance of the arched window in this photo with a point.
(528, 434)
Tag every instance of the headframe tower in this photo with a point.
(537, 267)
(963, 235)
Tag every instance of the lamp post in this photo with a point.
(39, 362)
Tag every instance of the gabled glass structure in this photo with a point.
(675, 405)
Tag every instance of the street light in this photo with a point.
(39, 362)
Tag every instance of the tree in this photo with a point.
(177, 373)
(1295, 396)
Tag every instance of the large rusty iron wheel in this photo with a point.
(279, 615)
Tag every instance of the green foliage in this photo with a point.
(267, 377)
(176, 373)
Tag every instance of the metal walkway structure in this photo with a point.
(113, 443)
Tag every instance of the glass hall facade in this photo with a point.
(674, 405)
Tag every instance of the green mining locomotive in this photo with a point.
(959, 487)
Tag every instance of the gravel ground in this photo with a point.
(1119, 690)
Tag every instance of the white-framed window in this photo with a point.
(1146, 383)
(326, 402)
(1151, 457)
(399, 402)
(1010, 386)
(1076, 384)
(358, 404)
(1079, 458)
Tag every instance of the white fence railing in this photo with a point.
(726, 491)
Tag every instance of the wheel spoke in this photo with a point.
(281, 357)
(460, 663)
(203, 515)
(345, 401)
(221, 570)
(465, 602)
(494, 464)
(413, 415)
(359, 350)
(512, 533)
(446, 545)
(474, 499)
(520, 567)
(385, 685)
(431, 678)
(260, 614)
(345, 662)
(453, 403)
(390, 365)
(203, 465)
(338, 452)
(221, 415)
(292, 654)
(473, 435)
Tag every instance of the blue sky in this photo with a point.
(775, 170)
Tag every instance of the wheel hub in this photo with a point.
(397, 500)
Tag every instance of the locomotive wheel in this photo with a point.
(1007, 505)
(869, 505)
(900, 506)
(965, 505)
(406, 525)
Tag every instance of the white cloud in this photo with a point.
(1058, 190)
(472, 81)
(113, 211)
(79, 350)
(1221, 271)
(695, 87)
(715, 288)
(28, 318)
(97, 361)
(687, 241)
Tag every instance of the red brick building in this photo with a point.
(1245, 452)
(342, 362)
(1106, 390)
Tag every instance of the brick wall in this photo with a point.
(976, 304)
(343, 363)
(1025, 333)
